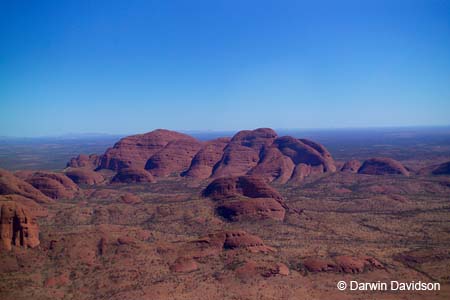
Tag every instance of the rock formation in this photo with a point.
(129, 175)
(307, 152)
(440, 169)
(31, 206)
(382, 166)
(245, 197)
(84, 161)
(254, 208)
(242, 153)
(130, 198)
(84, 175)
(249, 152)
(215, 243)
(341, 264)
(175, 157)
(351, 166)
(53, 185)
(210, 154)
(17, 226)
(12, 185)
(240, 239)
(134, 151)
(274, 166)
(248, 186)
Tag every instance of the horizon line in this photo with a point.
(200, 131)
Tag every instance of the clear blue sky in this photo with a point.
(132, 66)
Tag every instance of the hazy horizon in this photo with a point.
(280, 131)
(128, 67)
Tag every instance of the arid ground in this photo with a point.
(260, 216)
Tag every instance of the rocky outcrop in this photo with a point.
(307, 152)
(243, 152)
(249, 152)
(17, 226)
(203, 163)
(129, 175)
(302, 171)
(130, 198)
(245, 197)
(84, 176)
(84, 161)
(251, 269)
(215, 243)
(256, 139)
(274, 166)
(248, 186)
(248, 209)
(341, 264)
(236, 160)
(175, 158)
(134, 151)
(440, 169)
(383, 166)
(351, 166)
(12, 185)
(240, 239)
(31, 206)
(53, 185)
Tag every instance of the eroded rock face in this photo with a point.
(304, 170)
(84, 176)
(130, 198)
(249, 152)
(342, 264)
(382, 166)
(134, 151)
(306, 152)
(274, 166)
(53, 185)
(440, 169)
(255, 208)
(245, 197)
(129, 175)
(351, 166)
(243, 152)
(236, 160)
(255, 139)
(17, 226)
(12, 185)
(248, 186)
(252, 269)
(215, 243)
(32, 206)
(84, 161)
(204, 161)
(175, 158)
(241, 239)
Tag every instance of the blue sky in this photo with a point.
(131, 66)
